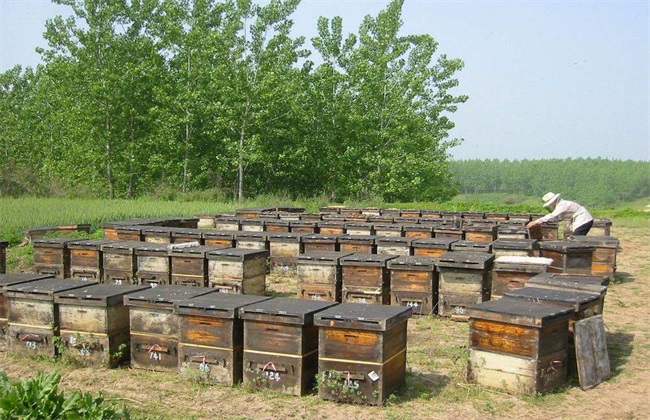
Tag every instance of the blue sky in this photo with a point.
(546, 79)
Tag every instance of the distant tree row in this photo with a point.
(589, 181)
(208, 94)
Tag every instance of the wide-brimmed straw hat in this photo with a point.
(550, 198)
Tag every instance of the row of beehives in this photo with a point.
(357, 352)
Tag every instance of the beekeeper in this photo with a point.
(581, 220)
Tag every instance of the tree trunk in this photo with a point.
(109, 168)
(240, 171)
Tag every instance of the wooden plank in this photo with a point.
(591, 352)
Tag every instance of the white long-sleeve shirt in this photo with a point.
(566, 209)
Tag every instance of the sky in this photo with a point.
(545, 79)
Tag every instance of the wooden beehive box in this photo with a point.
(359, 229)
(306, 227)
(130, 232)
(227, 223)
(361, 352)
(512, 273)
(281, 344)
(276, 225)
(252, 240)
(380, 220)
(480, 232)
(371, 211)
(310, 217)
(465, 280)
(320, 242)
(52, 256)
(518, 346)
(219, 238)
(503, 247)
(319, 275)
(350, 211)
(522, 218)
(394, 246)
(253, 212)
(388, 229)
(186, 235)
(472, 246)
(430, 214)
(94, 324)
(86, 259)
(330, 227)
(603, 260)
(211, 340)
(589, 284)
(365, 244)
(451, 215)
(366, 278)
(390, 212)
(417, 231)
(33, 316)
(157, 234)
(496, 216)
(238, 270)
(3, 256)
(433, 247)
(252, 225)
(410, 213)
(120, 262)
(153, 262)
(109, 230)
(40, 232)
(447, 231)
(568, 257)
(284, 249)
(414, 283)
(154, 326)
(189, 265)
(206, 221)
(289, 216)
(601, 227)
(7, 280)
(512, 232)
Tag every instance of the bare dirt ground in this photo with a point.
(435, 386)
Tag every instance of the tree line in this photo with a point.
(588, 181)
(207, 94)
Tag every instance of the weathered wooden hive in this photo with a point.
(211, 340)
(94, 324)
(154, 326)
(186, 235)
(589, 284)
(518, 346)
(512, 247)
(189, 265)
(86, 259)
(388, 229)
(281, 344)
(480, 232)
(433, 247)
(252, 240)
(358, 229)
(361, 352)
(253, 212)
(227, 223)
(601, 227)
(448, 231)
(496, 216)
(568, 257)
(310, 217)
(40, 232)
(329, 227)
(7, 280)
(157, 234)
(366, 278)
(522, 218)
(252, 225)
(33, 321)
(603, 260)
(394, 246)
(512, 232)
(512, 273)
(277, 225)
(284, 249)
(238, 270)
(418, 230)
(206, 221)
(154, 263)
(320, 242)
(319, 275)
(365, 244)
(52, 256)
(371, 211)
(120, 262)
(219, 238)
(306, 227)
(465, 280)
(130, 232)
(471, 216)
(429, 214)
(472, 246)
(414, 283)
(451, 215)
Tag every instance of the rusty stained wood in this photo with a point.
(328, 292)
(591, 352)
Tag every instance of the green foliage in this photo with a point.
(39, 398)
(587, 181)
